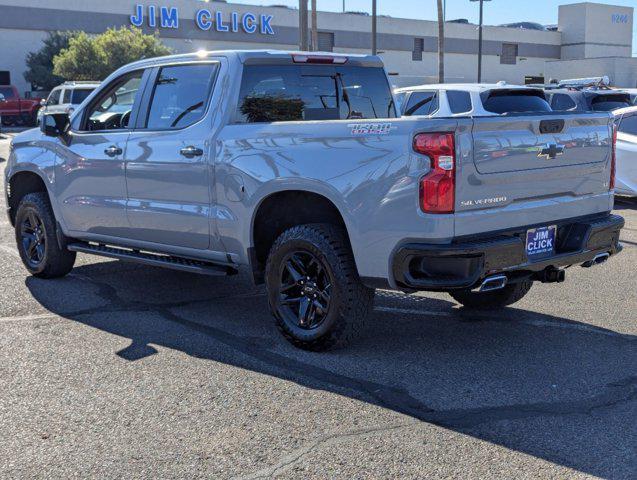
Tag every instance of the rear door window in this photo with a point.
(277, 93)
(561, 102)
(180, 96)
(422, 103)
(459, 101)
(66, 98)
(629, 125)
(514, 101)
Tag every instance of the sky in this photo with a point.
(495, 11)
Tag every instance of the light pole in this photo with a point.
(374, 29)
(314, 28)
(303, 14)
(480, 38)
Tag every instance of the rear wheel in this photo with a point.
(37, 240)
(313, 287)
(492, 300)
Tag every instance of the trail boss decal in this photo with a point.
(371, 128)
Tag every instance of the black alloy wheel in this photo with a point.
(33, 237)
(305, 290)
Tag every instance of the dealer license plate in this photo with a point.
(540, 242)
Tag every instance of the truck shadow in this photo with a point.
(557, 389)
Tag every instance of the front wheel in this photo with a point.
(508, 295)
(314, 289)
(37, 240)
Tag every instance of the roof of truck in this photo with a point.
(467, 87)
(248, 55)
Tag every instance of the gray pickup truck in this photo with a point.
(296, 166)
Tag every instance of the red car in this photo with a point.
(15, 110)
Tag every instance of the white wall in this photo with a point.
(621, 71)
(14, 47)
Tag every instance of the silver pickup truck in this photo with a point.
(297, 167)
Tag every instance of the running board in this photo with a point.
(153, 259)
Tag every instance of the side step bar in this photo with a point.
(153, 259)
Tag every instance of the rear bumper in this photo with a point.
(465, 263)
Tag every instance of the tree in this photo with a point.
(95, 58)
(39, 71)
(441, 43)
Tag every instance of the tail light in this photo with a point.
(438, 187)
(613, 160)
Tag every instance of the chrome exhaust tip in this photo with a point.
(497, 282)
(598, 260)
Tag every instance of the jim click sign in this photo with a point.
(168, 17)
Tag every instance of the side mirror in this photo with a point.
(43, 102)
(54, 124)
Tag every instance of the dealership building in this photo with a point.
(589, 40)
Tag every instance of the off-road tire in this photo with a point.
(350, 300)
(508, 295)
(56, 261)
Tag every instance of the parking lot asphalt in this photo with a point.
(120, 370)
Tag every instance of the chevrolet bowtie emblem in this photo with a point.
(551, 151)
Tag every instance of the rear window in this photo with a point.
(606, 103)
(459, 102)
(80, 95)
(562, 102)
(422, 103)
(278, 93)
(514, 101)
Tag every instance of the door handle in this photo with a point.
(113, 151)
(191, 152)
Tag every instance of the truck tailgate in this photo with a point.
(532, 169)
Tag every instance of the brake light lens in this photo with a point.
(438, 187)
(613, 160)
(320, 59)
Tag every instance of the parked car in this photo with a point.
(633, 94)
(15, 110)
(587, 99)
(450, 100)
(66, 97)
(296, 167)
(626, 120)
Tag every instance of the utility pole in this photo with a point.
(374, 29)
(480, 38)
(441, 42)
(315, 45)
(303, 37)
(343, 6)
